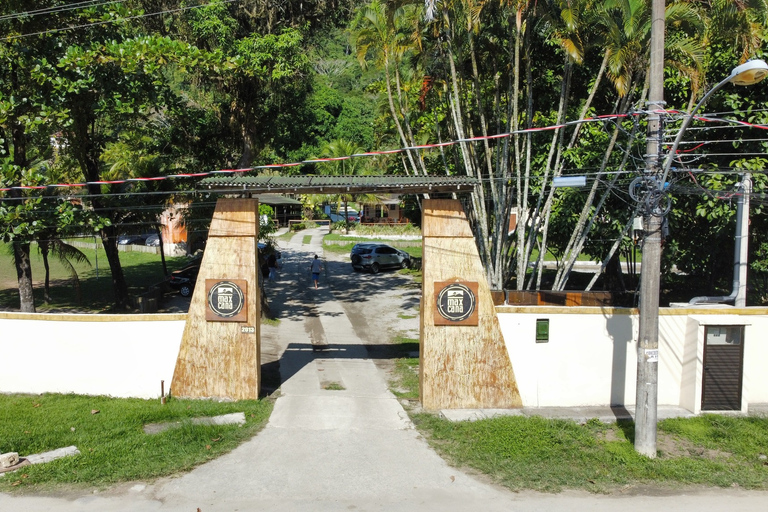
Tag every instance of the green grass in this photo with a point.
(742, 437)
(306, 240)
(405, 383)
(387, 230)
(535, 453)
(141, 271)
(113, 447)
(550, 455)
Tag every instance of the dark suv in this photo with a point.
(184, 279)
(375, 257)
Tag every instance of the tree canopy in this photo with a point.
(516, 93)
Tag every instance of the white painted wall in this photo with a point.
(591, 356)
(114, 355)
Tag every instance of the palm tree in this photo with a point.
(624, 30)
(67, 255)
(339, 160)
(383, 33)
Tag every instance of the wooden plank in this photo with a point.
(234, 217)
(447, 219)
(220, 359)
(460, 366)
(498, 297)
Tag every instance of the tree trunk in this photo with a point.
(162, 251)
(246, 157)
(614, 278)
(24, 274)
(583, 227)
(480, 216)
(521, 184)
(396, 117)
(47, 288)
(119, 286)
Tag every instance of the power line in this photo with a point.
(106, 22)
(59, 8)
(596, 119)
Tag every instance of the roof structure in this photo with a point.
(276, 200)
(338, 184)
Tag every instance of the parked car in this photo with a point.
(152, 241)
(131, 239)
(185, 278)
(374, 257)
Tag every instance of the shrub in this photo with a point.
(339, 226)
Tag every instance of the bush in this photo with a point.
(339, 226)
(388, 230)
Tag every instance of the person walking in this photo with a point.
(315, 268)
(272, 263)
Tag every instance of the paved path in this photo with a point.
(343, 449)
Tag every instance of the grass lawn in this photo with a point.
(141, 271)
(549, 455)
(406, 372)
(113, 446)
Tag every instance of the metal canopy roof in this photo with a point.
(276, 200)
(339, 184)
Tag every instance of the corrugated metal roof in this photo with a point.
(339, 184)
(275, 200)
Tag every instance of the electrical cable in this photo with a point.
(59, 8)
(106, 22)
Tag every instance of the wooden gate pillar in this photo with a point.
(220, 348)
(464, 363)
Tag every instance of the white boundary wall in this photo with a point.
(114, 355)
(590, 359)
(591, 356)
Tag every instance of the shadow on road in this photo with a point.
(363, 298)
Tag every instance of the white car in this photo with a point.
(374, 257)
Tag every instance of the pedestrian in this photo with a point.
(272, 263)
(315, 268)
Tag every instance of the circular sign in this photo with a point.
(456, 302)
(226, 299)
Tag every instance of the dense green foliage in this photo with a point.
(146, 89)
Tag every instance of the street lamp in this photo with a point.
(749, 73)
(646, 404)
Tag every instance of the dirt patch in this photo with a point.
(670, 446)
(609, 435)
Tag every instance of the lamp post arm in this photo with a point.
(686, 123)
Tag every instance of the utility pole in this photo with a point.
(648, 340)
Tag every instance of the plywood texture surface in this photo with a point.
(447, 219)
(217, 360)
(461, 366)
(234, 218)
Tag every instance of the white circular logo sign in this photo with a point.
(456, 302)
(226, 299)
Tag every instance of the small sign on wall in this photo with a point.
(456, 303)
(226, 300)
